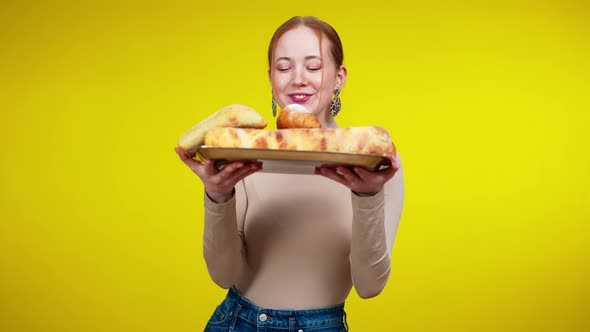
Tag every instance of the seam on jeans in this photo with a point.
(223, 320)
(322, 325)
(331, 322)
(247, 320)
(233, 322)
(335, 324)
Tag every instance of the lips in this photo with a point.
(300, 98)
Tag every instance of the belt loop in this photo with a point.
(344, 320)
(233, 323)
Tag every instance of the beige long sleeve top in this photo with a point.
(301, 241)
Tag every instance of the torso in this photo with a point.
(297, 230)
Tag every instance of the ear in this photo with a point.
(341, 76)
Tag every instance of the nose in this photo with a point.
(299, 77)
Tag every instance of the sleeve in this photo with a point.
(374, 226)
(223, 238)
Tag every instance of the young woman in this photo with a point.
(290, 247)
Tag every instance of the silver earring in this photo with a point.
(335, 104)
(274, 107)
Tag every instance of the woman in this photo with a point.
(290, 247)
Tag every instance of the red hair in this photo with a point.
(320, 27)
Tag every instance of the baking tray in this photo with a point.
(291, 161)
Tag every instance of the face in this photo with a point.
(301, 74)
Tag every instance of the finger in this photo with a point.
(364, 174)
(377, 177)
(186, 158)
(242, 173)
(330, 173)
(230, 168)
(387, 173)
(390, 171)
(348, 175)
(210, 168)
(327, 170)
(228, 175)
(181, 153)
(396, 163)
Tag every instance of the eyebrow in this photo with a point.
(309, 57)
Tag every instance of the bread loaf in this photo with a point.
(236, 115)
(365, 140)
(296, 116)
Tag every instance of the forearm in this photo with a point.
(369, 253)
(222, 243)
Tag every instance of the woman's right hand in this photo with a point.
(219, 184)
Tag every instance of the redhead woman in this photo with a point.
(290, 247)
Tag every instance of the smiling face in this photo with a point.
(302, 73)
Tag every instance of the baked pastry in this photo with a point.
(363, 140)
(236, 115)
(296, 116)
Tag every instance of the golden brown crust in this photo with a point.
(292, 119)
(365, 140)
(236, 115)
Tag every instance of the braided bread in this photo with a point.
(363, 140)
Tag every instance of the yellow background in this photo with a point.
(488, 103)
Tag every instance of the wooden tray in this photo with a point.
(291, 161)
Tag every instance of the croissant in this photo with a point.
(363, 140)
(235, 115)
(295, 116)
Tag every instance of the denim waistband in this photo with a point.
(264, 317)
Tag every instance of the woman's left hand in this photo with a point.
(360, 180)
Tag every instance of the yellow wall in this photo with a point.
(101, 224)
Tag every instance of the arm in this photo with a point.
(374, 225)
(377, 200)
(225, 206)
(223, 239)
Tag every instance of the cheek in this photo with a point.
(328, 83)
(279, 84)
(327, 88)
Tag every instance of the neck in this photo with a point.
(328, 121)
(331, 124)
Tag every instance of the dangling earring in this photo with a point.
(336, 104)
(274, 106)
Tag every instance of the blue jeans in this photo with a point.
(236, 313)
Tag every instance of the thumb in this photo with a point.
(186, 158)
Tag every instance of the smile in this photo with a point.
(300, 98)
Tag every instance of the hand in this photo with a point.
(219, 184)
(360, 180)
